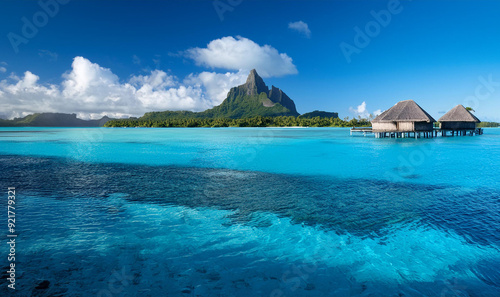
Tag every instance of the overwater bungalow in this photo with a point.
(459, 121)
(405, 119)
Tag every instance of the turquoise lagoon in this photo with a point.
(252, 212)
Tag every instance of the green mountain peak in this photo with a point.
(251, 99)
(254, 98)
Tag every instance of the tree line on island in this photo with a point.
(258, 121)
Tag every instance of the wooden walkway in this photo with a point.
(364, 130)
(415, 134)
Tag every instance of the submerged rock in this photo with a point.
(43, 285)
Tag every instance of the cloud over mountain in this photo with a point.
(92, 91)
(243, 54)
(217, 85)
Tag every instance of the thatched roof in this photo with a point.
(459, 114)
(404, 111)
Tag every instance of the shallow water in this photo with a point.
(253, 212)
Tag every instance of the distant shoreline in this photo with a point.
(58, 120)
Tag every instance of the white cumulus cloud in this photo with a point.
(243, 54)
(217, 85)
(93, 91)
(300, 27)
(363, 112)
(22, 96)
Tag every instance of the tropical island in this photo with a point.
(252, 104)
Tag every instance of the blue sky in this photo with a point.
(127, 57)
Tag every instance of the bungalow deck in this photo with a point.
(416, 134)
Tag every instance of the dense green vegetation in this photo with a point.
(239, 105)
(189, 119)
(162, 115)
(259, 121)
(317, 113)
(488, 124)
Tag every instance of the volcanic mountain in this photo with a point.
(253, 98)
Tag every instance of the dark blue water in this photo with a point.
(184, 215)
